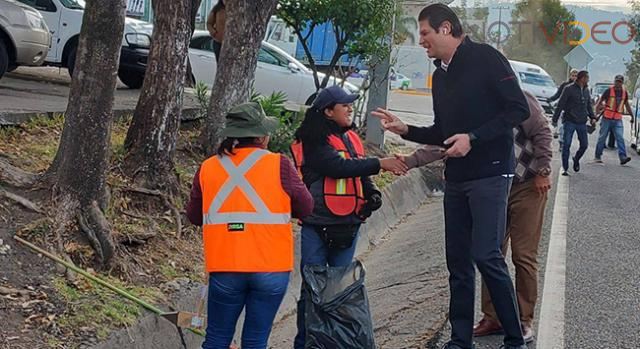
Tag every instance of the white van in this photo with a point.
(537, 81)
(64, 19)
(24, 36)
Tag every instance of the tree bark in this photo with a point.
(79, 171)
(188, 81)
(245, 28)
(152, 136)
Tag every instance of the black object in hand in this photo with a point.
(374, 203)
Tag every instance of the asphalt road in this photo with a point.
(602, 308)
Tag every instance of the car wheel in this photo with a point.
(4, 59)
(71, 59)
(311, 99)
(133, 80)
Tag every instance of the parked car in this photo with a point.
(64, 19)
(399, 81)
(276, 70)
(24, 36)
(598, 89)
(537, 81)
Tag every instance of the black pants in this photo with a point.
(216, 49)
(475, 223)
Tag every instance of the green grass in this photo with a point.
(57, 121)
(384, 179)
(98, 308)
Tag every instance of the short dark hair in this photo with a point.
(582, 74)
(436, 14)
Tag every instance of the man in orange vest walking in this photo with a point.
(613, 100)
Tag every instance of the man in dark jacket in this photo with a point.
(477, 102)
(559, 132)
(578, 109)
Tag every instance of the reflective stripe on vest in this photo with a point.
(612, 109)
(236, 178)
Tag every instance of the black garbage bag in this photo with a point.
(337, 308)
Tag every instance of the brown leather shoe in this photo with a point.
(527, 333)
(487, 327)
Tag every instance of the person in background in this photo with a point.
(215, 26)
(577, 106)
(573, 74)
(331, 159)
(525, 214)
(612, 104)
(244, 197)
(477, 102)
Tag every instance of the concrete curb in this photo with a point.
(16, 119)
(400, 198)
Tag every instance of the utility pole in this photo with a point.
(500, 8)
(379, 90)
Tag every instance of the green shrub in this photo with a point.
(274, 105)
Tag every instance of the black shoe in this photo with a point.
(565, 173)
(576, 165)
(625, 160)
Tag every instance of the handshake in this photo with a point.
(395, 165)
(400, 164)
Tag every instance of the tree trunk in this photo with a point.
(188, 77)
(80, 169)
(245, 28)
(152, 136)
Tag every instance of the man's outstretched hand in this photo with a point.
(390, 122)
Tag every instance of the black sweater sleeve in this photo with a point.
(506, 87)
(326, 161)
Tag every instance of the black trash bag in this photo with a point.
(337, 308)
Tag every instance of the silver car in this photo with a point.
(24, 36)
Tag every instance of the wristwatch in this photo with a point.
(472, 138)
(544, 172)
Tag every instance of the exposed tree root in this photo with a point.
(24, 202)
(14, 176)
(167, 202)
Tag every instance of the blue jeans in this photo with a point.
(583, 138)
(475, 225)
(605, 127)
(314, 252)
(260, 294)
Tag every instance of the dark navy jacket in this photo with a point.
(478, 93)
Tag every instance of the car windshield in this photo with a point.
(73, 4)
(537, 79)
(599, 90)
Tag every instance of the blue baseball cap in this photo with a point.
(333, 95)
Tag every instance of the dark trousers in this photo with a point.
(217, 46)
(475, 224)
(583, 138)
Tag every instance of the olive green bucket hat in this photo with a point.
(249, 120)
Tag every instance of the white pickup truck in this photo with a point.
(64, 19)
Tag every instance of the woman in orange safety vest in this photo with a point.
(244, 197)
(331, 160)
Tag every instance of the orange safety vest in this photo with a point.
(342, 196)
(246, 213)
(612, 110)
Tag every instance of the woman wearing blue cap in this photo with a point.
(330, 157)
